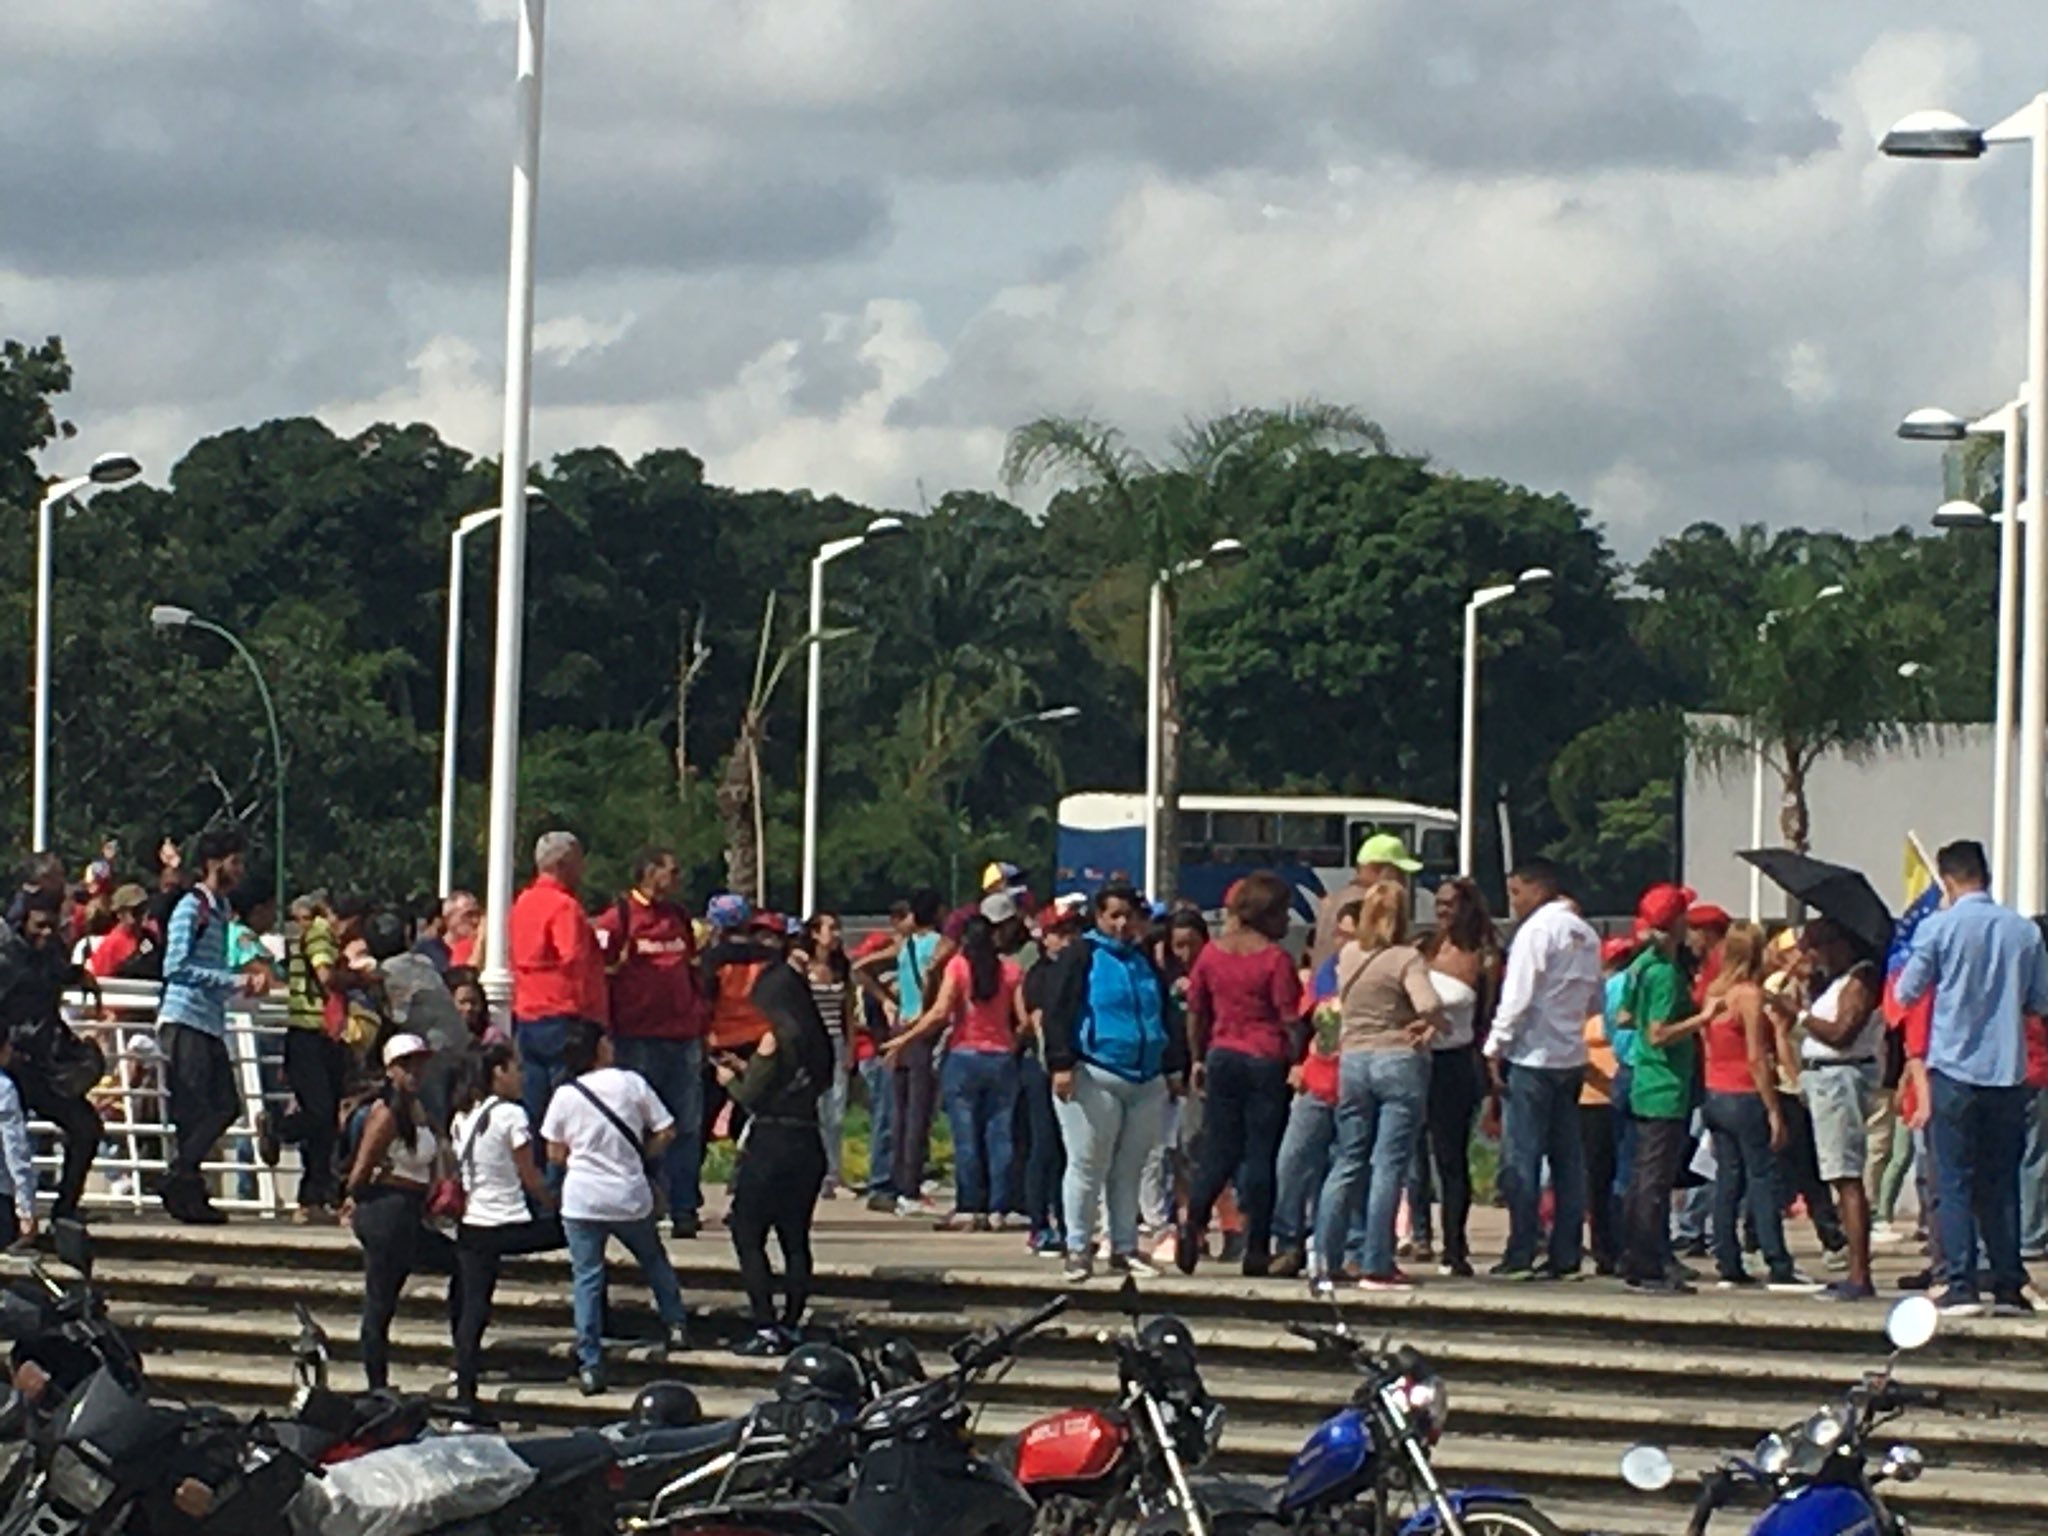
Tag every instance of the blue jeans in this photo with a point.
(1304, 1165)
(1979, 1136)
(980, 1089)
(1745, 1171)
(1540, 1122)
(1381, 1097)
(587, 1241)
(2034, 1179)
(674, 1069)
(1246, 1116)
(1110, 1127)
(540, 1043)
(832, 1113)
(881, 1090)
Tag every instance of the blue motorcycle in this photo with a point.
(1816, 1476)
(1366, 1470)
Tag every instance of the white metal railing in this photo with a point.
(134, 1105)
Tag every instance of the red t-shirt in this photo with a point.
(115, 949)
(1251, 1000)
(989, 1024)
(655, 989)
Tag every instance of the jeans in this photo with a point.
(1600, 1136)
(1380, 1100)
(1159, 1185)
(1109, 1126)
(1646, 1210)
(1244, 1119)
(1038, 1169)
(1304, 1165)
(2034, 1179)
(916, 1087)
(1745, 1172)
(832, 1112)
(587, 1241)
(540, 1043)
(980, 1089)
(1979, 1138)
(1446, 1150)
(1540, 1120)
(674, 1069)
(878, 1081)
(204, 1099)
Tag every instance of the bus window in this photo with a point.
(1241, 829)
(1439, 851)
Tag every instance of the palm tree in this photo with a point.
(1167, 511)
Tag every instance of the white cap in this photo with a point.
(398, 1047)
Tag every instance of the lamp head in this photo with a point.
(1225, 552)
(1961, 514)
(885, 525)
(1932, 135)
(169, 616)
(1062, 712)
(1932, 424)
(113, 468)
(1535, 575)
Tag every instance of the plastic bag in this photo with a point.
(407, 1489)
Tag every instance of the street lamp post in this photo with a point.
(1222, 552)
(1944, 136)
(881, 527)
(168, 616)
(109, 469)
(500, 856)
(1043, 717)
(1933, 425)
(1468, 753)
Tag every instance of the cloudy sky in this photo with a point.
(1641, 251)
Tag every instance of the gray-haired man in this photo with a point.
(557, 967)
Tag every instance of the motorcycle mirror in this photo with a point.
(74, 1245)
(1127, 1297)
(1903, 1464)
(1913, 1322)
(1647, 1469)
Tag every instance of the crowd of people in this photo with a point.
(1123, 1086)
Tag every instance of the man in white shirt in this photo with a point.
(1537, 1055)
(602, 1127)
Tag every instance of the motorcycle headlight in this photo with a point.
(76, 1483)
(1428, 1403)
(1825, 1429)
(1773, 1454)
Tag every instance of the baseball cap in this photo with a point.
(129, 898)
(1706, 915)
(1664, 906)
(398, 1047)
(1000, 876)
(1616, 947)
(999, 906)
(1386, 848)
(728, 911)
(873, 944)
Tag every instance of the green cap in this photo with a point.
(1385, 848)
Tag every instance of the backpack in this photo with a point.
(1117, 1032)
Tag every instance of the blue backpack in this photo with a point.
(1123, 1019)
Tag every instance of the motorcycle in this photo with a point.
(1815, 1475)
(1345, 1479)
(904, 1461)
(1093, 1470)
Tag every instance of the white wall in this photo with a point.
(1860, 813)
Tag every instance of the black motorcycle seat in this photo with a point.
(705, 1440)
(1238, 1495)
(564, 1458)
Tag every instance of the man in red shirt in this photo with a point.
(658, 1013)
(558, 974)
(127, 938)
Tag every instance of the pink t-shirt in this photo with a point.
(985, 1024)
(1252, 1001)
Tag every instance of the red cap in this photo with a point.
(1707, 915)
(1663, 907)
(1617, 946)
(873, 944)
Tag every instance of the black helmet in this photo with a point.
(1167, 1340)
(666, 1405)
(820, 1373)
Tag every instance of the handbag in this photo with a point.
(71, 1063)
(450, 1197)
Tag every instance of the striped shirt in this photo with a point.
(197, 981)
(830, 997)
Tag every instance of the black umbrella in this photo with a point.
(1835, 891)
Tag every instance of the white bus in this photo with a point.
(1308, 840)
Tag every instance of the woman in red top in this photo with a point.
(1244, 1034)
(981, 994)
(1743, 1114)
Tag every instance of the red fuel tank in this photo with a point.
(1077, 1446)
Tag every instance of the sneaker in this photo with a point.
(2011, 1304)
(959, 1221)
(1660, 1285)
(1846, 1290)
(1957, 1302)
(269, 1146)
(1695, 1248)
(1553, 1274)
(1424, 1253)
(1835, 1261)
(829, 1190)
(911, 1210)
(1322, 1288)
(1287, 1263)
(1792, 1282)
(1078, 1269)
(1392, 1280)
(472, 1419)
(1919, 1280)
(1683, 1273)
(1506, 1271)
(1136, 1265)
(590, 1381)
(1884, 1235)
(1455, 1269)
(882, 1201)
(685, 1227)
(1743, 1281)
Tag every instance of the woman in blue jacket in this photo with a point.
(1114, 1065)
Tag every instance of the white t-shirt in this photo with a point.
(605, 1180)
(485, 1139)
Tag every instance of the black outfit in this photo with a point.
(1603, 1208)
(1454, 1093)
(1646, 1208)
(1040, 1161)
(32, 986)
(782, 1167)
(1244, 1115)
(204, 1101)
(391, 1225)
(479, 1254)
(315, 1068)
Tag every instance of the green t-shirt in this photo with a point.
(1661, 1076)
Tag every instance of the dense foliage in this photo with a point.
(1330, 658)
